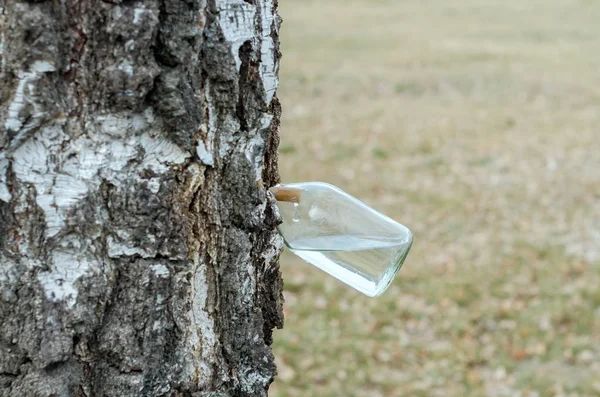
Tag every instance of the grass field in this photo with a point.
(476, 124)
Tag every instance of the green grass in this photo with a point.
(477, 124)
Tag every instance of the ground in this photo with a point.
(476, 124)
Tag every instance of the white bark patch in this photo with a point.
(254, 154)
(154, 185)
(266, 121)
(160, 271)
(254, 149)
(66, 267)
(2, 41)
(275, 246)
(63, 179)
(25, 92)
(32, 163)
(203, 338)
(42, 67)
(118, 249)
(203, 154)
(250, 377)
(160, 153)
(127, 67)
(4, 193)
(13, 121)
(236, 19)
(8, 280)
(268, 65)
(138, 14)
(248, 285)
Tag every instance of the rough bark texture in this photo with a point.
(138, 255)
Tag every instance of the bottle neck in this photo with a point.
(287, 194)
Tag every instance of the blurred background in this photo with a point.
(476, 123)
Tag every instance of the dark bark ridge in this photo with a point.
(138, 251)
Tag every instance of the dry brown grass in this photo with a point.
(476, 124)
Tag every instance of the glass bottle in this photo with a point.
(342, 235)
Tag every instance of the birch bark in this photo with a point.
(138, 255)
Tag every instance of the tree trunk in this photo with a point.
(138, 251)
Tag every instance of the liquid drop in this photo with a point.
(296, 215)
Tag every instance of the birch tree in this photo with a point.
(138, 251)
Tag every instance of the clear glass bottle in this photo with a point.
(342, 235)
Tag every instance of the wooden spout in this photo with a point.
(288, 194)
